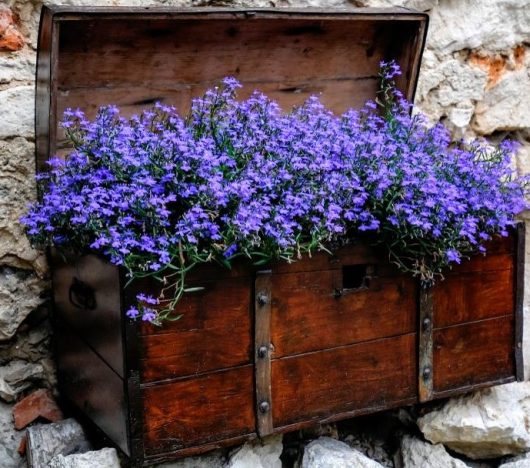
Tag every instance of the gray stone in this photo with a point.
(372, 447)
(9, 440)
(18, 376)
(472, 24)
(487, 424)
(104, 458)
(330, 453)
(19, 295)
(419, 454)
(17, 116)
(210, 460)
(521, 461)
(17, 189)
(504, 106)
(17, 67)
(45, 441)
(31, 344)
(258, 454)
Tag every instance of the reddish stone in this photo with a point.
(22, 446)
(40, 404)
(10, 37)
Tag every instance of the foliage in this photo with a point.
(160, 194)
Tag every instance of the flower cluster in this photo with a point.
(160, 193)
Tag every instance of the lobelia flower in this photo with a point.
(159, 193)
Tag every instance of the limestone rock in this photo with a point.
(371, 447)
(521, 461)
(487, 424)
(17, 189)
(18, 376)
(472, 24)
(19, 67)
(104, 458)
(9, 440)
(19, 295)
(17, 115)
(419, 454)
(45, 441)
(504, 106)
(330, 453)
(210, 460)
(31, 344)
(258, 454)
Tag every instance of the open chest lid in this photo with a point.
(133, 57)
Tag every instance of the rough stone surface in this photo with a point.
(18, 376)
(330, 453)
(10, 37)
(419, 454)
(370, 446)
(521, 461)
(258, 454)
(45, 441)
(17, 189)
(104, 458)
(19, 295)
(490, 423)
(17, 112)
(210, 460)
(9, 440)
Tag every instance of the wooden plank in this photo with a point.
(315, 386)
(214, 332)
(519, 301)
(262, 353)
(425, 345)
(474, 296)
(307, 315)
(474, 353)
(198, 411)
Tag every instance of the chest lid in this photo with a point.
(133, 57)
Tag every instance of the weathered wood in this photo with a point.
(308, 316)
(93, 387)
(473, 353)
(263, 349)
(425, 345)
(314, 386)
(198, 411)
(214, 332)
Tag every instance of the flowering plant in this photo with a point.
(159, 193)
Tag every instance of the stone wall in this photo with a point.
(475, 77)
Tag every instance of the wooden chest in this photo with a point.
(258, 352)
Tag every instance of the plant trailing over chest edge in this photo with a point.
(159, 193)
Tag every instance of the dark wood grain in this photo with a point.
(474, 353)
(214, 332)
(473, 296)
(199, 410)
(307, 316)
(519, 288)
(314, 386)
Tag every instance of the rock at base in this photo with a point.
(104, 458)
(210, 460)
(419, 454)
(45, 441)
(487, 424)
(9, 440)
(330, 453)
(521, 461)
(258, 454)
